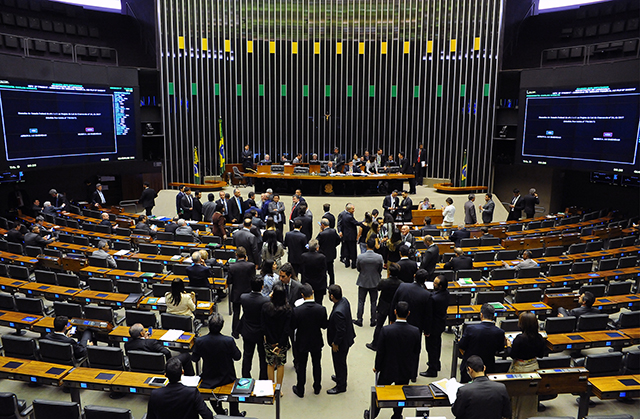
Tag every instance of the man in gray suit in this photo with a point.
(245, 238)
(369, 264)
(470, 211)
(185, 229)
(276, 211)
(487, 209)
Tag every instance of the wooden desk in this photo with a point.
(215, 283)
(18, 320)
(133, 382)
(518, 384)
(89, 378)
(417, 216)
(42, 373)
(519, 283)
(477, 286)
(224, 393)
(155, 258)
(634, 334)
(563, 380)
(393, 396)
(9, 366)
(473, 311)
(568, 280)
(585, 340)
(94, 271)
(186, 341)
(203, 308)
(18, 259)
(50, 262)
(567, 300)
(111, 299)
(50, 292)
(11, 285)
(614, 387)
(537, 308)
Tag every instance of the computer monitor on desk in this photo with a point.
(277, 168)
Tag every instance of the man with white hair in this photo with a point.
(102, 253)
(186, 230)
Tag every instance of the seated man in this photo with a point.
(105, 221)
(33, 238)
(586, 301)
(176, 400)
(526, 262)
(140, 342)
(185, 229)
(143, 225)
(459, 261)
(459, 234)
(102, 253)
(61, 333)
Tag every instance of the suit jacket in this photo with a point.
(398, 353)
(208, 208)
(15, 236)
(186, 231)
(386, 204)
(197, 210)
(408, 269)
(276, 211)
(369, 264)
(314, 271)
(146, 345)
(582, 310)
(458, 235)
(225, 206)
(307, 225)
(199, 276)
(440, 305)
(148, 198)
(483, 339)
(179, 196)
(35, 239)
(406, 167)
(430, 259)
(295, 290)
(529, 203)
(147, 230)
(328, 241)
(459, 262)
(218, 353)
(96, 199)
(409, 240)
(487, 211)
(405, 207)
(250, 323)
(340, 328)
(470, 216)
(482, 399)
(423, 156)
(177, 401)
(349, 230)
(308, 321)
(248, 240)
(235, 212)
(420, 305)
(79, 351)
(296, 243)
(247, 159)
(331, 218)
(186, 205)
(240, 275)
(101, 254)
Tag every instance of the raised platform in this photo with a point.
(207, 186)
(448, 187)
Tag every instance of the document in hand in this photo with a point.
(450, 387)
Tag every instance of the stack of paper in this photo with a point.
(190, 381)
(172, 335)
(263, 388)
(450, 387)
(465, 281)
(121, 252)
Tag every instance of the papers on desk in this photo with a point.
(172, 335)
(121, 252)
(175, 257)
(465, 281)
(263, 388)
(187, 260)
(190, 381)
(450, 387)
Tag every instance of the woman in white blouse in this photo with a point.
(178, 301)
(448, 212)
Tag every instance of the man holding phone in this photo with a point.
(141, 341)
(62, 332)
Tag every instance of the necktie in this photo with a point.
(292, 209)
(515, 198)
(288, 290)
(239, 205)
(418, 156)
(190, 202)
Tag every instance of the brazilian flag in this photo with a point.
(463, 177)
(221, 152)
(196, 169)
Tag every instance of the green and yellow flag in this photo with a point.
(463, 178)
(196, 171)
(221, 152)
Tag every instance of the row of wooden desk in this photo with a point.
(81, 378)
(594, 339)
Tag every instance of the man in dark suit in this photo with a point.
(407, 168)
(186, 204)
(420, 302)
(208, 208)
(483, 398)
(314, 270)
(349, 236)
(241, 273)
(430, 256)
(15, 235)
(143, 225)
(308, 320)
(295, 211)
(179, 197)
(251, 328)
(459, 234)
(140, 342)
(407, 238)
(306, 219)
(586, 301)
(459, 261)
(218, 353)
(61, 328)
(398, 355)
(236, 207)
(517, 205)
(419, 163)
(529, 203)
(487, 208)
(296, 243)
(484, 340)
(245, 238)
(340, 335)
(387, 287)
(291, 286)
(390, 203)
(175, 400)
(98, 199)
(405, 206)
(337, 159)
(148, 198)
(433, 342)
(172, 226)
(33, 238)
(198, 273)
(328, 241)
(408, 267)
(196, 214)
(327, 214)
(470, 216)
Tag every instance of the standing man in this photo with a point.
(245, 238)
(308, 320)
(430, 256)
(517, 205)
(291, 286)
(369, 265)
(314, 270)
(196, 215)
(295, 211)
(187, 204)
(98, 199)
(147, 198)
(241, 273)
(236, 207)
(224, 203)
(218, 353)
(483, 398)
(419, 300)
(387, 287)
(470, 210)
(276, 211)
(397, 356)
(349, 236)
(529, 203)
(328, 241)
(306, 218)
(247, 161)
(337, 159)
(484, 340)
(179, 197)
(340, 335)
(296, 244)
(327, 214)
(405, 207)
(433, 342)
(251, 328)
(407, 168)
(379, 158)
(420, 163)
(408, 267)
(487, 208)
(208, 208)
(390, 204)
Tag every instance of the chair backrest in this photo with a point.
(603, 364)
(507, 255)
(577, 248)
(503, 274)
(155, 267)
(551, 362)
(9, 408)
(94, 312)
(53, 252)
(449, 275)
(149, 362)
(553, 251)
(30, 305)
(57, 352)
(619, 288)
(560, 324)
(148, 248)
(615, 243)
(628, 241)
(179, 269)
(20, 347)
(168, 251)
(46, 277)
(19, 272)
(104, 412)
(470, 242)
(537, 253)
(65, 238)
(129, 287)
(532, 272)
(596, 289)
(211, 239)
(607, 264)
(122, 231)
(145, 318)
(217, 272)
(460, 298)
(33, 251)
(589, 322)
(224, 254)
(484, 256)
(489, 297)
(547, 223)
(7, 302)
(490, 241)
(557, 290)
(631, 363)
(68, 280)
(70, 310)
(100, 284)
(4, 271)
(82, 241)
(629, 320)
(49, 409)
(474, 274)
(185, 238)
(594, 246)
(530, 295)
(174, 321)
(127, 264)
(581, 267)
(559, 269)
(164, 235)
(627, 261)
(106, 357)
(15, 248)
(510, 325)
(514, 227)
(202, 294)
(121, 245)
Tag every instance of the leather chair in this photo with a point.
(553, 251)
(185, 238)
(507, 255)
(552, 362)
(128, 264)
(502, 274)
(577, 248)
(148, 362)
(590, 322)
(596, 289)
(33, 251)
(533, 272)
(473, 274)
(449, 275)
(129, 287)
(100, 284)
(470, 242)
(13, 408)
(179, 269)
(30, 305)
(18, 272)
(168, 251)
(490, 241)
(560, 324)
(145, 318)
(594, 246)
(68, 280)
(510, 325)
(619, 288)
(489, 297)
(49, 409)
(174, 321)
(581, 267)
(7, 302)
(627, 262)
(202, 294)
(70, 310)
(46, 277)
(155, 267)
(628, 320)
(106, 357)
(59, 353)
(98, 262)
(20, 347)
(104, 412)
(607, 264)
(159, 290)
(603, 364)
(149, 248)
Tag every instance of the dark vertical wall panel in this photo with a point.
(305, 76)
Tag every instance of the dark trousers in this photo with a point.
(373, 298)
(235, 323)
(412, 186)
(248, 347)
(419, 173)
(233, 408)
(279, 227)
(318, 296)
(330, 271)
(397, 411)
(340, 367)
(350, 255)
(434, 347)
(382, 313)
(297, 268)
(301, 369)
(187, 365)
(148, 211)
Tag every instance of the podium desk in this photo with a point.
(11, 285)
(186, 341)
(585, 340)
(18, 320)
(393, 396)
(50, 292)
(614, 387)
(517, 283)
(223, 393)
(90, 379)
(567, 300)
